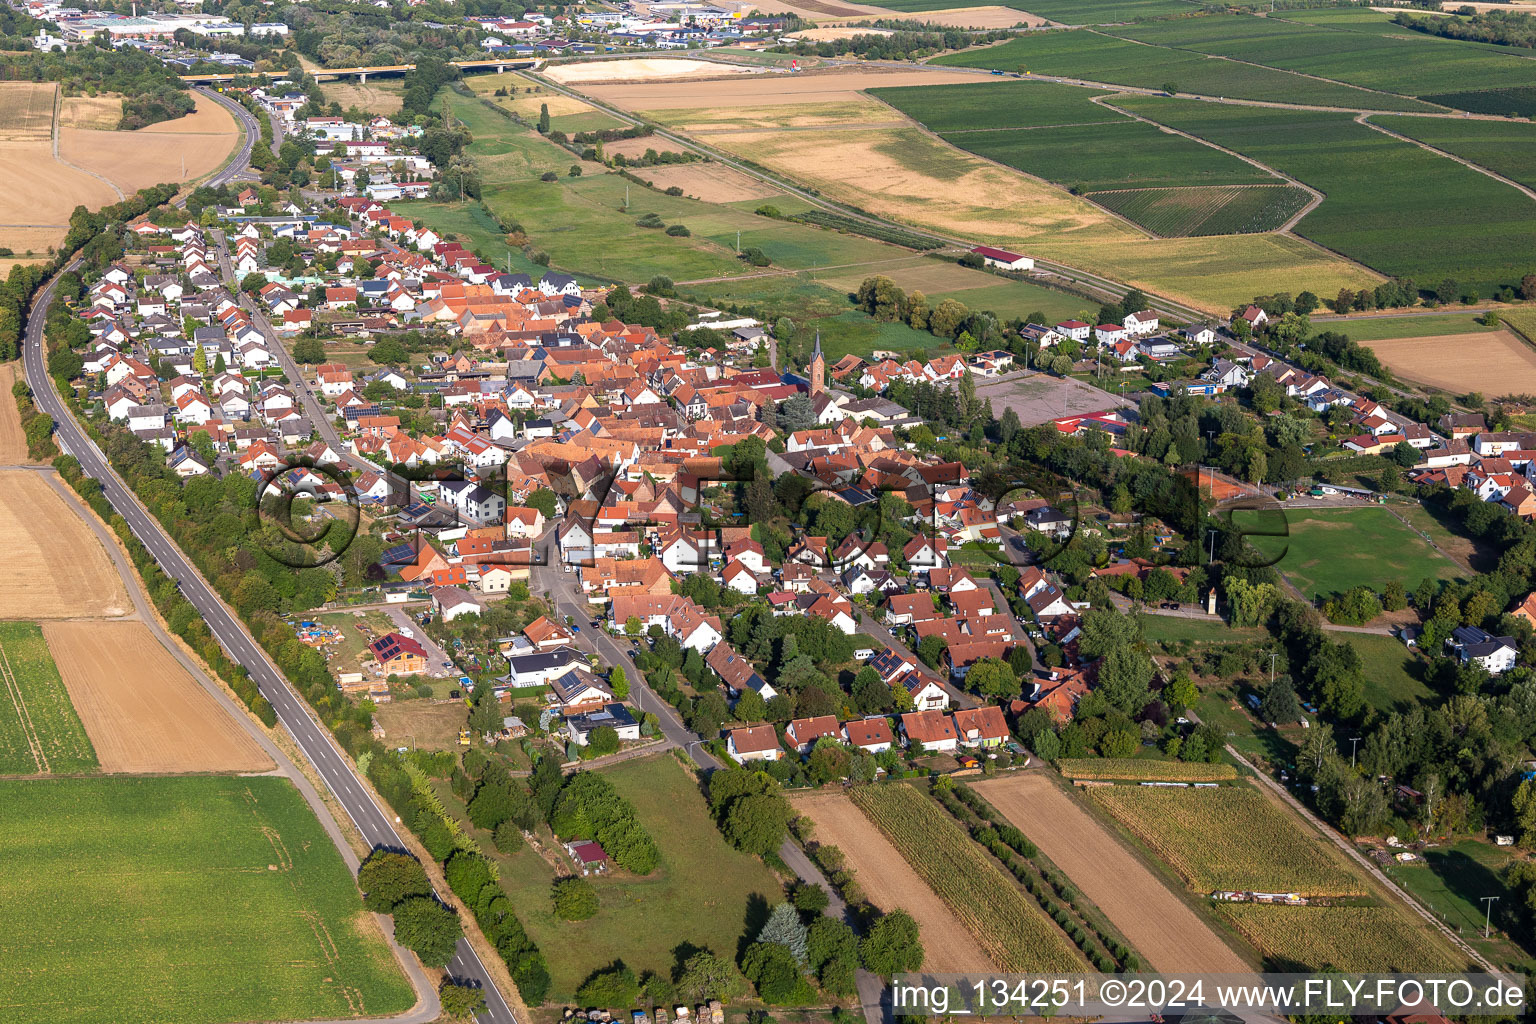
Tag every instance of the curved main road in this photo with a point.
(374, 823)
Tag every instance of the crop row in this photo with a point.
(34, 701)
(1186, 212)
(1138, 770)
(1232, 838)
(1014, 933)
(1345, 938)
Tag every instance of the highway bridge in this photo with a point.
(325, 74)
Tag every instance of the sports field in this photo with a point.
(1395, 207)
(188, 900)
(57, 568)
(39, 730)
(1156, 921)
(1328, 551)
(142, 710)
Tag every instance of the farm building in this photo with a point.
(1003, 259)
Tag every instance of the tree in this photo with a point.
(992, 677)
(618, 682)
(614, 985)
(1119, 743)
(388, 879)
(1523, 804)
(388, 352)
(871, 695)
(545, 500)
(543, 118)
(460, 1002)
(1125, 676)
(774, 970)
(428, 929)
(833, 951)
(931, 648)
(757, 824)
(785, 927)
(309, 350)
(1181, 692)
(750, 706)
(706, 976)
(1280, 703)
(253, 282)
(200, 360)
(603, 741)
(575, 899)
(810, 898)
(892, 945)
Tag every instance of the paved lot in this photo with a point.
(1039, 398)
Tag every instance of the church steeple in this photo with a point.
(818, 368)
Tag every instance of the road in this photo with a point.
(241, 161)
(373, 822)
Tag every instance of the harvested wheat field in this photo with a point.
(375, 97)
(711, 182)
(1496, 362)
(13, 443)
(890, 883)
(1162, 928)
(196, 144)
(101, 113)
(971, 17)
(831, 86)
(644, 69)
(26, 111)
(637, 147)
(141, 709)
(56, 569)
(40, 195)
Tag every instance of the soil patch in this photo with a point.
(1040, 398)
(56, 568)
(644, 69)
(430, 725)
(890, 883)
(142, 710)
(1169, 934)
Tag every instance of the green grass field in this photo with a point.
(701, 894)
(1507, 148)
(39, 730)
(1370, 54)
(181, 901)
(1424, 326)
(1205, 210)
(1452, 880)
(1328, 551)
(1099, 58)
(1167, 629)
(1393, 673)
(1396, 208)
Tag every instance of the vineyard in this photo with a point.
(1205, 210)
(1010, 928)
(39, 730)
(1138, 770)
(1376, 939)
(1231, 838)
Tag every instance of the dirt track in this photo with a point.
(890, 882)
(141, 710)
(13, 444)
(55, 567)
(1170, 935)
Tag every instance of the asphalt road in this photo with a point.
(242, 159)
(374, 822)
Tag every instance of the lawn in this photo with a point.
(1084, 54)
(1399, 209)
(704, 894)
(39, 730)
(1452, 881)
(181, 901)
(1382, 328)
(1372, 55)
(1393, 673)
(1328, 551)
(1174, 628)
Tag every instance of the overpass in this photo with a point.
(498, 64)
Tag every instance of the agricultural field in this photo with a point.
(39, 730)
(1369, 329)
(1102, 59)
(1231, 838)
(1344, 938)
(526, 97)
(1206, 210)
(192, 900)
(1136, 769)
(1067, 12)
(1507, 148)
(1372, 55)
(1516, 102)
(1328, 551)
(102, 113)
(13, 443)
(989, 106)
(700, 894)
(1399, 209)
(1157, 922)
(58, 568)
(889, 882)
(142, 710)
(709, 181)
(26, 111)
(1010, 926)
(643, 69)
(1493, 361)
(381, 96)
(751, 92)
(170, 151)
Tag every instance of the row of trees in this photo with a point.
(884, 300)
(150, 89)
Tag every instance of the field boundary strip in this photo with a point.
(23, 714)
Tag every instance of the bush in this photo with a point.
(674, 190)
(613, 986)
(575, 899)
(679, 231)
(549, 176)
(756, 257)
(650, 220)
(389, 879)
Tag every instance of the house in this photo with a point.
(547, 635)
(925, 691)
(1003, 259)
(1141, 324)
(981, 727)
(1495, 654)
(1255, 316)
(802, 733)
(451, 603)
(932, 730)
(871, 735)
(579, 727)
(753, 743)
(578, 689)
(737, 672)
(1526, 609)
(1077, 330)
(542, 668)
(399, 655)
(907, 609)
(472, 501)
